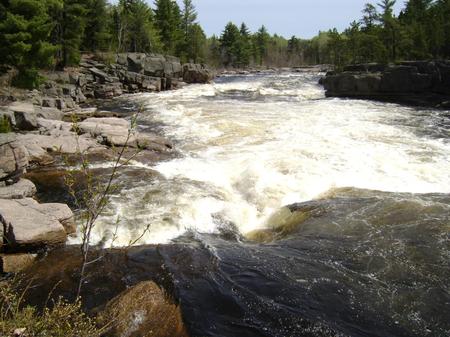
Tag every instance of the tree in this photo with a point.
(390, 26)
(70, 22)
(229, 43)
(196, 44)
(25, 29)
(370, 16)
(261, 41)
(168, 22)
(244, 46)
(96, 34)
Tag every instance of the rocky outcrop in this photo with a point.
(29, 225)
(197, 73)
(13, 158)
(418, 83)
(22, 189)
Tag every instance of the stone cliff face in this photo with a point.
(425, 83)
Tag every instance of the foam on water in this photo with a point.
(251, 145)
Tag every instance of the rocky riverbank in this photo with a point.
(60, 120)
(418, 83)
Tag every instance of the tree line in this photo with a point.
(37, 34)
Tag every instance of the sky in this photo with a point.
(303, 18)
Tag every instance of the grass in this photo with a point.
(60, 319)
(5, 124)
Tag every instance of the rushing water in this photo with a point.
(285, 213)
(250, 145)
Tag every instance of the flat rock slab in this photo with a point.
(22, 189)
(111, 130)
(29, 225)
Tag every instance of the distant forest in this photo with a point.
(38, 34)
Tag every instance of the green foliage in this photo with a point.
(96, 33)
(5, 124)
(168, 22)
(63, 319)
(25, 29)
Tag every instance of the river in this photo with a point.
(285, 213)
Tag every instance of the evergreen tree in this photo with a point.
(229, 43)
(25, 29)
(261, 41)
(244, 46)
(168, 22)
(70, 22)
(96, 34)
(196, 44)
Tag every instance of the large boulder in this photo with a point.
(22, 189)
(28, 226)
(13, 157)
(196, 73)
(144, 310)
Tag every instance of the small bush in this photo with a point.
(5, 124)
(27, 79)
(63, 319)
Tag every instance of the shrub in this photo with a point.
(62, 319)
(5, 124)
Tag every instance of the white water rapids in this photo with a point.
(250, 145)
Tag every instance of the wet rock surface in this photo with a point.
(423, 83)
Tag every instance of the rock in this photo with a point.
(27, 227)
(62, 212)
(100, 75)
(196, 73)
(153, 142)
(49, 113)
(144, 310)
(13, 157)
(135, 61)
(412, 82)
(15, 263)
(22, 189)
(24, 115)
(111, 131)
(38, 146)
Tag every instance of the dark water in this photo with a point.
(243, 260)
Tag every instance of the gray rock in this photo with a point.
(24, 115)
(196, 73)
(48, 113)
(100, 75)
(149, 141)
(13, 157)
(135, 62)
(22, 189)
(27, 226)
(110, 130)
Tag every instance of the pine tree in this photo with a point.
(229, 43)
(168, 23)
(244, 47)
(25, 29)
(261, 41)
(96, 34)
